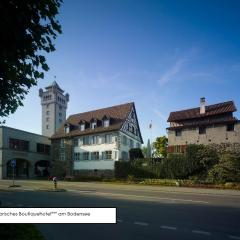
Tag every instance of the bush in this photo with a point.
(199, 159)
(228, 168)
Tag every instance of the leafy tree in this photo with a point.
(144, 151)
(149, 149)
(135, 153)
(160, 146)
(28, 29)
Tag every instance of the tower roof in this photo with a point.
(54, 85)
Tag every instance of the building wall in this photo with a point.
(125, 147)
(32, 156)
(116, 146)
(216, 134)
(102, 147)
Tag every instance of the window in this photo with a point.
(47, 106)
(47, 113)
(124, 140)
(133, 129)
(82, 127)
(47, 127)
(131, 143)
(106, 123)
(93, 125)
(60, 107)
(43, 148)
(178, 132)
(86, 156)
(47, 119)
(67, 129)
(95, 139)
(62, 155)
(60, 120)
(108, 154)
(108, 138)
(95, 155)
(75, 142)
(18, 144)
(62, 143)
(60, 114)
(202, 130)
(230, 127)
(76, 156)
(85, 140)
(177, 149)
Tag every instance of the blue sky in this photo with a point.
(163, 55)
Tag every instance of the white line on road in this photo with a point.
(201, 232)
(141, 223)
(27, 189)
(233, 237)
(168, 227)
(146, 197)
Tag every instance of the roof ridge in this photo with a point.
(188, 109)
(100, 109)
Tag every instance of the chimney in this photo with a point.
(202, 105)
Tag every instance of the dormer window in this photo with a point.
(82, 127)
(105, 121)
(67, 128)
(93, 123)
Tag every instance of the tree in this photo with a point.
(149, 149)
(28, 29)
(160, 146)
(135, 153)
(144, 151)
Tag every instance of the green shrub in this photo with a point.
(228, 168)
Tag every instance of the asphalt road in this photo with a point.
(143, 212)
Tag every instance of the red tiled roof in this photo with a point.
(211, 110)
(117, 115)
(205, 123)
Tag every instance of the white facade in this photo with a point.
(102, 153)
(54, 106)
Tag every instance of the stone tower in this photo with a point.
(54, 106)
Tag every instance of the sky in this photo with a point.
(163, 55)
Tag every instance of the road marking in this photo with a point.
(119, 220)
(233, 237)
(147, 197)
(201, 232)
(27, 189)
(168, 227)
(141, 223)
